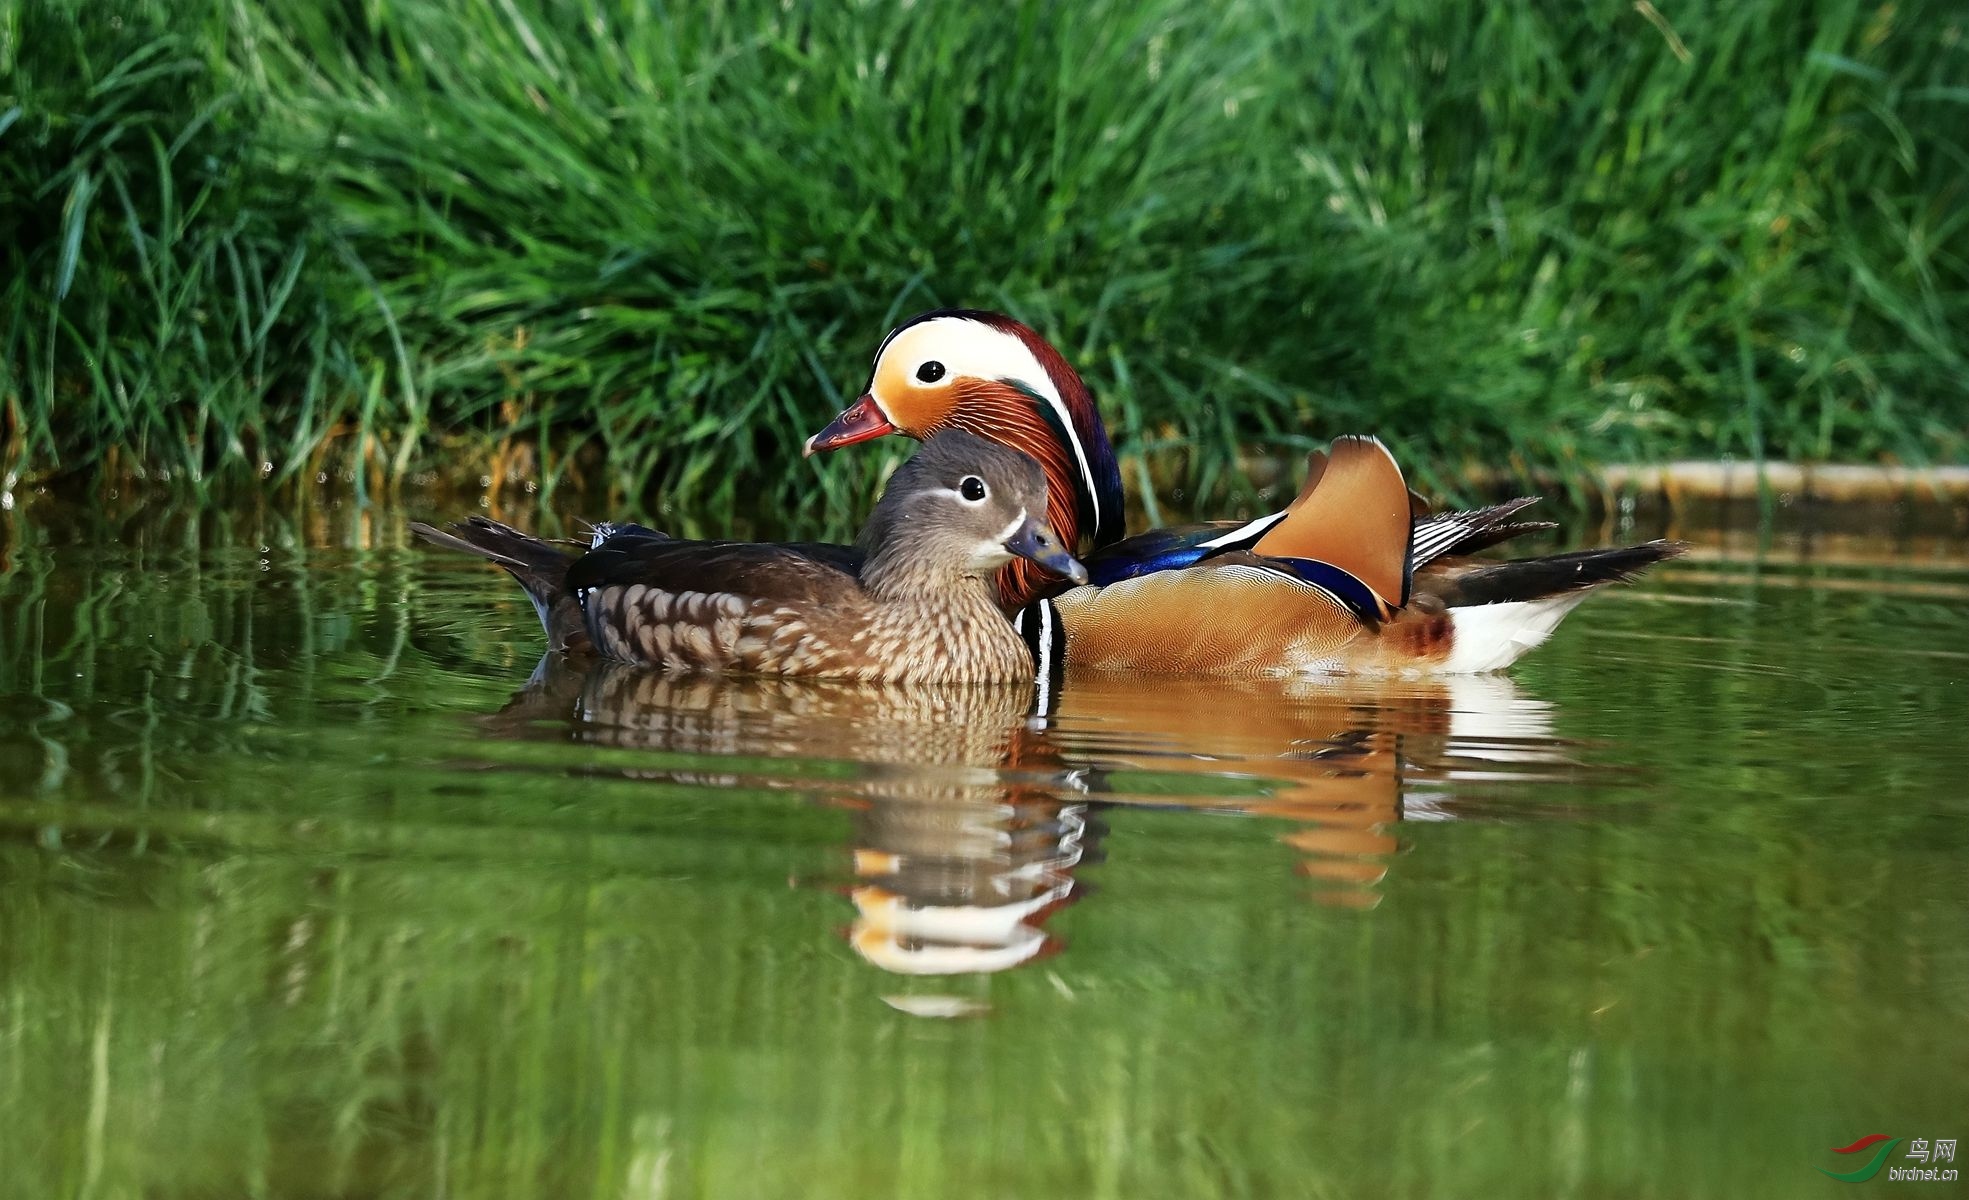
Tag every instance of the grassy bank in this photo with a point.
(243, 233)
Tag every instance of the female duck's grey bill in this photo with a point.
(1038, 542)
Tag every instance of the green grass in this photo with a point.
(665, 244)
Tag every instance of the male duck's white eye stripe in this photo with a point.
(970, 347)
(893, 335)
(1048, 645)
(1032, 375)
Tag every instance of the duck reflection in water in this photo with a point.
(968, 825)
(974, 808)
(1343, 759)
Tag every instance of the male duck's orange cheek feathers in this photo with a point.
(917, 410)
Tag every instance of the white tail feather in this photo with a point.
(1490, 637)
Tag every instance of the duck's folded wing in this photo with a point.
(841, 558)
(625, 538)
(759, 571)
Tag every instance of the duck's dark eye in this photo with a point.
(930, 371)
(972, 489)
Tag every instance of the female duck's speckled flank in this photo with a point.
(1354, 576)
(916, 606)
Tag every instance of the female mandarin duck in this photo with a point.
(1348, 578)
(916, 605)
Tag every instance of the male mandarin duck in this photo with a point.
(914, 605)
(1348, 578)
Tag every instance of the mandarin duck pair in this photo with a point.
(1015, 476)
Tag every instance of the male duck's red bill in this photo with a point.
(859, 422)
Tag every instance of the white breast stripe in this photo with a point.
(1043, 659)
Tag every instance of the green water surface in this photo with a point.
(305, 892)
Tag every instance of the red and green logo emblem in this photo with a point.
(1872, 1168)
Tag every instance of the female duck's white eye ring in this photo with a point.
(930, 371)
(973, 490)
